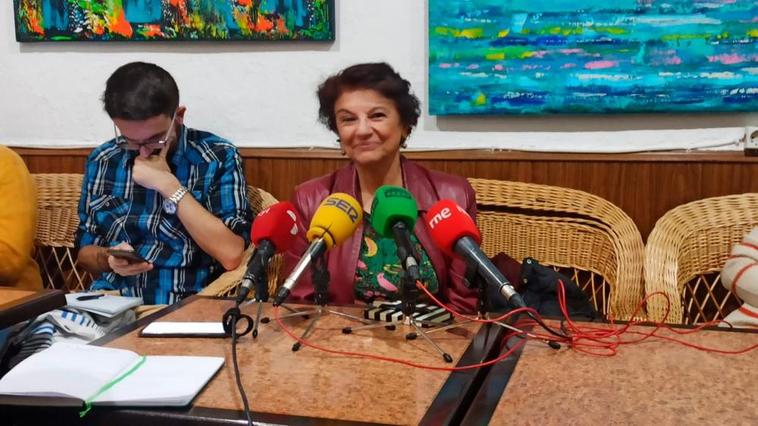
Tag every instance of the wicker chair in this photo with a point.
(58, 199)
(586, 237)
(686, 251)
(228, 283)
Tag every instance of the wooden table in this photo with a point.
(652, 383)
(308, 386)
(22, 305)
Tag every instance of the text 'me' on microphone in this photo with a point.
(336, 218)
(455, 232)
(274, 230)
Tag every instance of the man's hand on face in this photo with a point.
(152, 171)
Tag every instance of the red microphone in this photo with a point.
(449, 223)
(277, 224)
(274, 231)
(453, 230)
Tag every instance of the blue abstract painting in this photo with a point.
(592, 56)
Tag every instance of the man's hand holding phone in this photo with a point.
(124, 261)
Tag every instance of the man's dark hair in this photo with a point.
(138, 91)
(376, 76)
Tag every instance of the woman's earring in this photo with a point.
(339, 142)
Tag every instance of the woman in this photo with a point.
(18, 222)
(370, 107)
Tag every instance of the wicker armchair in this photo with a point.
(588, 238)
(228, 283)
(58, 200)
(686, 251)
(57, 220)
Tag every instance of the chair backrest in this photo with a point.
(686, 251)
(585, 236)
(57, 220)
(227, 285)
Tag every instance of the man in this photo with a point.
(174, 195)
(18, 220)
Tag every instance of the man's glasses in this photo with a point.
(152, 143)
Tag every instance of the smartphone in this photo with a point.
(184, 329)
(130, 256)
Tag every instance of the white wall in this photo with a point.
(262, 93)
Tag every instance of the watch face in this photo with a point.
(169, 206)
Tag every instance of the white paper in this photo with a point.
(163, 380)
(67, 369)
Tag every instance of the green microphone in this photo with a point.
(393, 215)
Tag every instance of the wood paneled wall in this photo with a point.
(643, 185)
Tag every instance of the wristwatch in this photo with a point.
(169, 204)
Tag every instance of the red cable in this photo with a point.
(589, 340)
(397, 360)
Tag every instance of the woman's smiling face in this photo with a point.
(369, 126)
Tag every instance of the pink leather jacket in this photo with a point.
(427, 187)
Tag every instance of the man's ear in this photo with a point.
(180, 114)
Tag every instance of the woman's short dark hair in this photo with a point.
(138, 91)
(376, 76)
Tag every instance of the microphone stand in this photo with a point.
(320, 278)
(409, 294)
(482, 304)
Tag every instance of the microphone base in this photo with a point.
(420, 328)
(318, 311)
(292, 313)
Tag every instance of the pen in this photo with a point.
(90, 297)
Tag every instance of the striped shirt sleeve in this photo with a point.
(228, 200)
(87, 232)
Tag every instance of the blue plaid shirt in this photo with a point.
(113, 209)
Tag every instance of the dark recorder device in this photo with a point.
(130, 256)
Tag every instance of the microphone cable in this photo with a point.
(374, 357)
(230, 319)
(585, 339)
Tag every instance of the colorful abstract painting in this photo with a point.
(101, 20)
(592, 56)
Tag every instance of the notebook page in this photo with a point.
(66, 369)
(163, 381)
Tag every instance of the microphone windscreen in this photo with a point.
(335, 219)
(448, 223)
(392, 204)
(278, 224)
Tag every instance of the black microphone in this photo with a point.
(256, 272)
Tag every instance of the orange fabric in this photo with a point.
(18, 221)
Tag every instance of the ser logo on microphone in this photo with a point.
(343, 205)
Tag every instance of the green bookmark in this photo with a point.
(102, 390)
